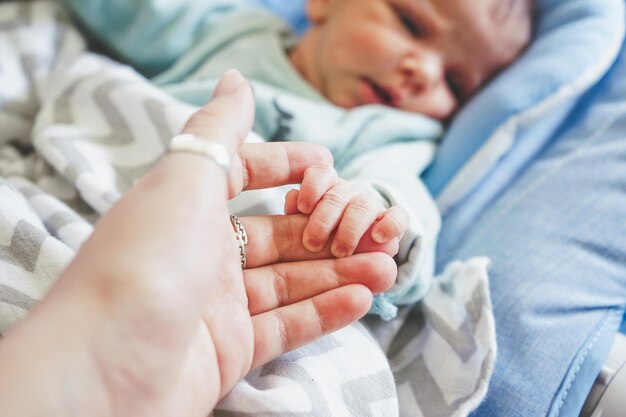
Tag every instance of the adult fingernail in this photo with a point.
(230, 82)
(379, 236)
(304, 208)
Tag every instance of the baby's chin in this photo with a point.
(440, 116)
(344, 101)
(349, 103)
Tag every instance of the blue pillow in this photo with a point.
(574, 45)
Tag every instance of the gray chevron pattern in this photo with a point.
(25, 245)
(16, 298)
(99, 128)
(360, 393)
(461, 339)
(428, 336)
(20, 18)
(157, 112)
(62, 110)
(354, 396)
(287, 367)
(298, 374)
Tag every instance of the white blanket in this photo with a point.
(77, 130)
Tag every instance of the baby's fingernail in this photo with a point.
(379, 236)
(304, 207)
(229, 83)
(315, 245)
(341, 251)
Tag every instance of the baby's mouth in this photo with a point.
(374, 93)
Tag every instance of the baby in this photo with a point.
(353, 82)
(422, 56)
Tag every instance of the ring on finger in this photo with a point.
(242, 239)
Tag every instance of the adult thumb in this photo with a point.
(228, 117)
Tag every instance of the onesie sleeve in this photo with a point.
(150, 34)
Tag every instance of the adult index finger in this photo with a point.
(277, 239)
(266, 165)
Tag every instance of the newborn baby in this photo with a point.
(422, 56)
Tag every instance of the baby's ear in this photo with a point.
(317, 10)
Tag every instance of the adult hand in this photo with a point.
(155, 317)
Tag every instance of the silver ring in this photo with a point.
(242, 239)
(209, 148)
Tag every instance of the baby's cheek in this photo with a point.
(378, 50)
(370, 42)
(345, 50)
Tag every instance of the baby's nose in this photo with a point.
(422, 70)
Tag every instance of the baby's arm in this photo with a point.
(343, 212)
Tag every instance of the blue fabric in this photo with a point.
(292, 11)
(567, 32)
(557, 241)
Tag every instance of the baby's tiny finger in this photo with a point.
(291, 202)
(326, 216)
(361, 212)
(316, 181)
(393, 224)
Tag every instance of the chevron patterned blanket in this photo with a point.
(79, 129)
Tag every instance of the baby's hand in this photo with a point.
(340, 207)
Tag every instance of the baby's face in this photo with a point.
(423, 56)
